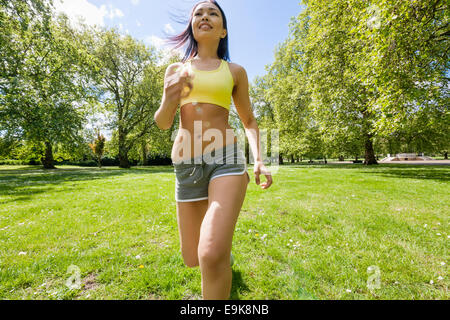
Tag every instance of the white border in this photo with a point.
(232, 174)
(228, 174)
(192, 200)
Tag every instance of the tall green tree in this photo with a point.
(20, 37)
(331, 54)
(46, 82)
(366, 69)
(285, 93)
(405, 60)
(132, 83)
(264, 111)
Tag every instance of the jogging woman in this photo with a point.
(211, 177)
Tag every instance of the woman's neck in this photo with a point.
(207, 51)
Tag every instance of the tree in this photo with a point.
(264, 111)
(405, 59)
(46, 81)
(366, 68)
(18, 25)
(132, 85)
(330, 55)
(98, 147)
(284, 93)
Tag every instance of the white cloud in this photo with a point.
(169, 29)
(75, 9)
(163, 46)
(135, 2)
(113, 12)
(158, 42)
(90, 13)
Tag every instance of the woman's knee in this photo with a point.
(211, 257)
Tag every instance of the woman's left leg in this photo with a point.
(225, 198)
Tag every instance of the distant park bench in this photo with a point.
(406, 156)
(319, 162)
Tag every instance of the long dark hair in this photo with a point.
(187, 37)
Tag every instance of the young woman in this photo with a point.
(209, 194)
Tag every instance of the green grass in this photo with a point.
(312, 235)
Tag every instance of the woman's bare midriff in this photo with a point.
(211, 117)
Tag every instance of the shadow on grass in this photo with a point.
(419, 173)
(63, 169)
(408, 171)
(15, 181)
(238, 286)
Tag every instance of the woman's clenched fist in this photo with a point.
(178, 82)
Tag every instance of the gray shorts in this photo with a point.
(193, 176)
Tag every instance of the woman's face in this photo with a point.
(207, 23)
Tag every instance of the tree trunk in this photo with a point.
(144, 153)
(123, 152)
(280, 158)
(292, 158)
(123, 159)
(47, 160)
(446, 156)
(369, 157)
(123, 162)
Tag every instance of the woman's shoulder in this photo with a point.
(236, 67)
(237, 71)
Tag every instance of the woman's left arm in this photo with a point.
(243, 105)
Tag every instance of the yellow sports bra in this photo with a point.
(215, 86)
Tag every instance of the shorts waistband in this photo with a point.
(227, 152)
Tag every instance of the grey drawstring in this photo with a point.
(193, 171)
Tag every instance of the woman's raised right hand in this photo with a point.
(178, 82)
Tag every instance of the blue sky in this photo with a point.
(255, 27)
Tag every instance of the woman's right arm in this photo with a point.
(174, 83)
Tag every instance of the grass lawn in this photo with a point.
(312, 235)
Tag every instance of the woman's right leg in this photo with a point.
(190, 217)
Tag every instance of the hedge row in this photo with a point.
(157, 161)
